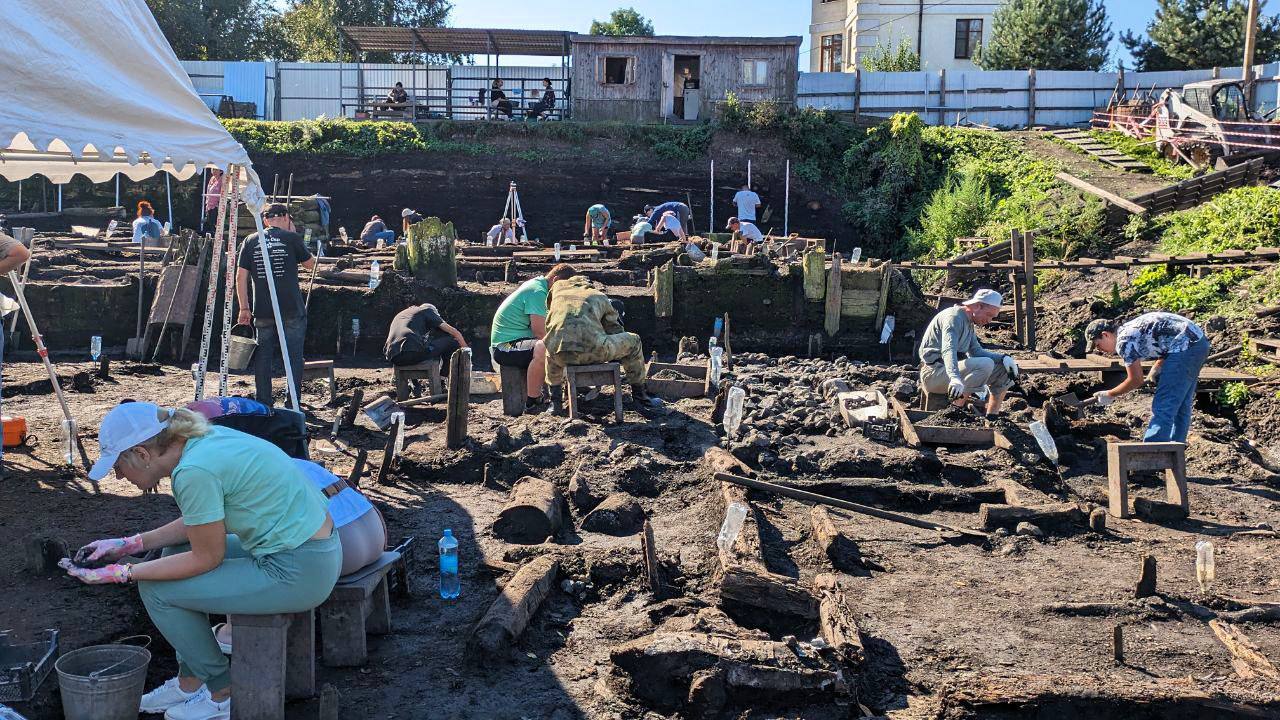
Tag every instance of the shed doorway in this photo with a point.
(686, 87)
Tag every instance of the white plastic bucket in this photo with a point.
(240, 349)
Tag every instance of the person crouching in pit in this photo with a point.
(952, 361)
(254, 538)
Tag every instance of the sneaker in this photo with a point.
(225, 647)
(166, 696)
(200, 706)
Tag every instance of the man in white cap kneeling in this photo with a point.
(952, 361)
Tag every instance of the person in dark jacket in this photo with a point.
(419, 334)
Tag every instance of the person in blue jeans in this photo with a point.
(1179, 348)
(288, 253)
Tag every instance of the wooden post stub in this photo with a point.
(1146, 578)
(353, 408)
(1117, 644)
(459, 400)
(357, 470)
(388, 459)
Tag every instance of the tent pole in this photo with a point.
(168, 196)
(117, 190)
(204, 195)
(59, 197)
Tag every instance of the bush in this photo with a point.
(955, 210)
(1182, 293)
(1234, 395)
(326, 136)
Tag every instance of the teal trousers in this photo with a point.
(285, 582)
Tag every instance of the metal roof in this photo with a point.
(702, 40)
(461, 41)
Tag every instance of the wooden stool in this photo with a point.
(1126, 457)
(320, 370)
(360, 603)
(600, 375)
(514, 390)
(274, 660)
(930, 402)
(429, 370)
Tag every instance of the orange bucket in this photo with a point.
(15, 430)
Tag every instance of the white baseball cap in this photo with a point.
(986, 297)
(127, 425)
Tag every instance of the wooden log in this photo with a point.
(330, 702)
(618, 515)
(914, 497)
(510, 613)
(831, 311)
(1099, 697)
(836, 620)
(652, 570)
(882, 307)
(727, 343)
(833, 544)
(532, 514)
(357, 470)
(719, 460)
(752, 585)
(459, 400)
(1106, 196)
(664, 290)
(815, 281)
(1146, 578)
(1117, 644)
(1057, 515)
(388, 459)
(663, 664)
(353, 408)
(1247, 660)
(904, 423)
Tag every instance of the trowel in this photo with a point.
(1072, 400)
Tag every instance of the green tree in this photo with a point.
(623, 21)
(891, 57)
(308, 29)
(214, 29)
(1048, 35)
(1198, 34)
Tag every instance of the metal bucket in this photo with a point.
(102, 682)
(240, 350)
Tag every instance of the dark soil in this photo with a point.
(952, 416)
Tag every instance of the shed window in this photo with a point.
(617, 70)
(968, 38)
(755, 72)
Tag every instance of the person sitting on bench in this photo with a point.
(254, 537)
(498, 100)
(583, 328)
(545, 104)
(515, 339)
(362, 531)
(419, 334)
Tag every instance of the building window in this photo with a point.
(617, 70)
(831, 53)
(755, 72)
(968, 38)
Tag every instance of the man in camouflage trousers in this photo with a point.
(583, 328)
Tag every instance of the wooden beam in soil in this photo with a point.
(1247, 660)
(533, 513)
(388, 459)
(1057, 515)
(836, 620)
(459, 400)
(357, 470)
(904, 423)
(1106, 196)
(831, 310)
(652, 570)
(509, 615)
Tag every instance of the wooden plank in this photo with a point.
(1246, 658)
(904, 418)
(515, 606)
(834, 288)
(1105, 195)
(664, 290)
(459, 400)
(886, 280)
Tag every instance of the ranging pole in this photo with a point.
(1250, 46)
(786, 207)
(711, 200)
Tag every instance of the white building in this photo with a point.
(947, 32)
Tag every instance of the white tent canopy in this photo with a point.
(93, 88)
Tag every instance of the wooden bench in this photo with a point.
(428, 370)
(584, 376)
(321, 370)
(1126, 457)
(274, 661)
(360, 604)
(514, 391)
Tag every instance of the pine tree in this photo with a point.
(1199, 34)
(1047, 35)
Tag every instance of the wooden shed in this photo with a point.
(645, 79)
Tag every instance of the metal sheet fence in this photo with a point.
(1001, 98)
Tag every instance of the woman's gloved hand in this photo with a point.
(115, 573)
(99, 552)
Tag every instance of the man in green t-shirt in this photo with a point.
(515, 339)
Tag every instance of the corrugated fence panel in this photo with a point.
(826, 90)
(309, 90)
(1068, 97)
(885, 93)
(995, 98)
(206, 77)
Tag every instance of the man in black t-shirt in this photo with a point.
(287, 253)
(419, 334)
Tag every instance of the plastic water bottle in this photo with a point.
(557, 252)
(69, 441)
(733, 411)
(717, 365)
(715, 252)
(717, 326)
(1205, 574)
(1045, 440)
(855, 256)
(8, 713)
(397, 419)
(375, 274)
(355, 329)
(734, 516)
(449, 586)
(168, 227)
(572, 248)
(95, 347)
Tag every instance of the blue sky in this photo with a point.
(705, 17)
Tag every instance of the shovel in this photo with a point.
(380, 411)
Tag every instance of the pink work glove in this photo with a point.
(108, 574)
(100, 552)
